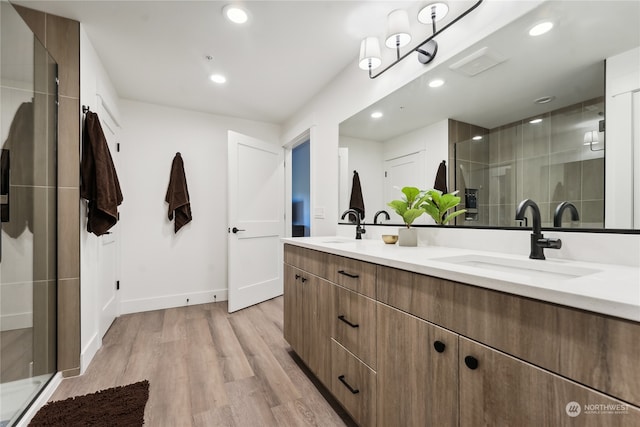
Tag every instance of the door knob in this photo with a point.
(235, 230)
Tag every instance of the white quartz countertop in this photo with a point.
(602, 288)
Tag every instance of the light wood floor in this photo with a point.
(210, 368)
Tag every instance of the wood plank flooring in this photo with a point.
(207, 367)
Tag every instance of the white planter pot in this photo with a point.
(407, 236)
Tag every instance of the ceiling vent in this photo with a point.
(479, 61)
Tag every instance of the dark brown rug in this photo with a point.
(117, 406)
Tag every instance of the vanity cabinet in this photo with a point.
(331, 324)
(498, 389)
(399, 348)
(417, 371)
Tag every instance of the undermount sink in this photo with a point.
(531, 268)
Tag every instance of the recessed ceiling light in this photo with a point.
(235, 14)
(541, 28)
(535, 121)
(477, 138)
(544, 99)
(218, 78)
(376, 115)
(436, 83)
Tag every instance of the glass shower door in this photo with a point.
(28, 221)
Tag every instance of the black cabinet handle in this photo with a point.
(439, 346)
(344, 273)
(236, 229)
(471, 362)
(346, 384)
(298, 276)
(304, 279)
(353, 325)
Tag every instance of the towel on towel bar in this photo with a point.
(441, 177)
(178, 194)
(356, 202)
(99, 185)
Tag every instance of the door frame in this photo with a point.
(303, 137)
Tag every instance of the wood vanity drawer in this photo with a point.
(314, 262)
(359, 276)
(596, 350)
(354, 385)
(355, 324)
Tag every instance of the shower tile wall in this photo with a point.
(469, 168)
(545, 161)
(61, 38)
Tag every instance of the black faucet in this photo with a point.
(538, 241)
(382, 212)
(359, 228)
(557, 215)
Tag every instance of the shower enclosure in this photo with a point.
(28, 206)
(554, 157)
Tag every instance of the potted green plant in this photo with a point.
(437, 205)
(409, 208)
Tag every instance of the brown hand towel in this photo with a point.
(100, 185)
(178, 194)
(356, 202)
(441, 178)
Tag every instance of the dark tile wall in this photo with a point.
(61, 38)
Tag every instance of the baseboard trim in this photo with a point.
(171, 301)
(89, 352)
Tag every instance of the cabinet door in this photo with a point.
(417, 371)
(308, 316)
(293, 309)
(318, 295)
(499, 390)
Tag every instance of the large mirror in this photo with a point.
(549, 118)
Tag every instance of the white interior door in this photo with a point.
(405, 171)
(256, 220)
(108, 265)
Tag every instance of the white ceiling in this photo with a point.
(154, 51)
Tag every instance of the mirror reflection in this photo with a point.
(546, 117)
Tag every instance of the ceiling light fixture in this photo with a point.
(540, 28)
(376, 115)
(436, 83)
(235, 14)
(535, 121)
(477, 138)
(218, 78)
(398, 36)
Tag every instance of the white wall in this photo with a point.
(161, 269)
(95, 88)
(622, 161)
